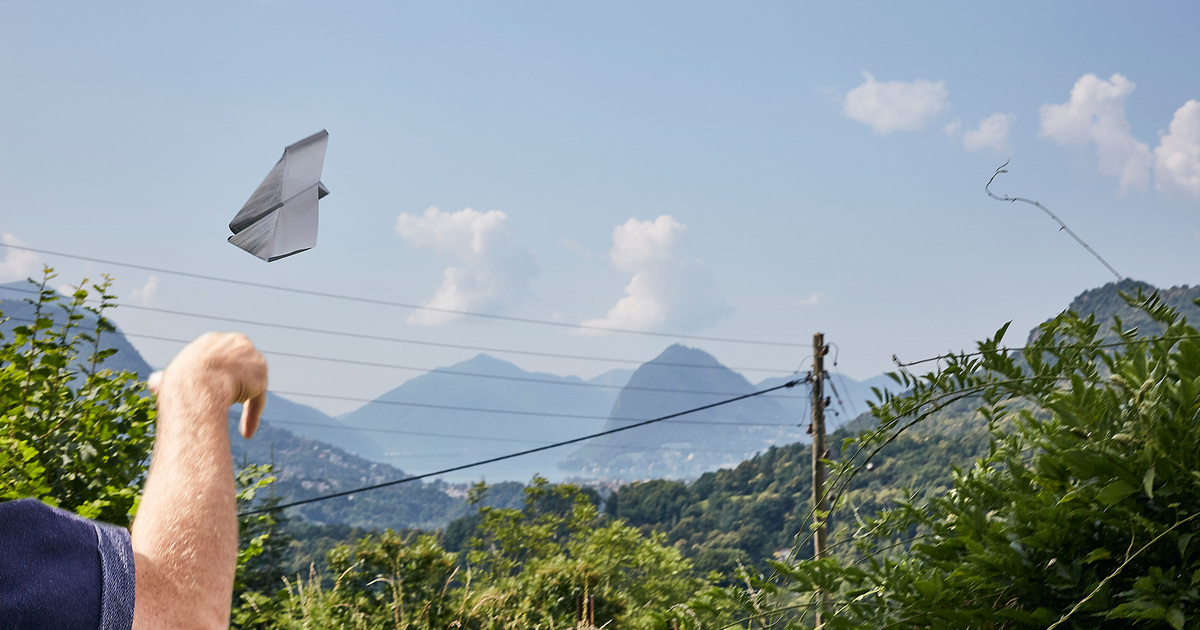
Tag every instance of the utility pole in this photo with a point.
(820, 504)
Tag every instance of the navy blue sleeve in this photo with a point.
(58, 570)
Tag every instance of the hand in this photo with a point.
(221, 365)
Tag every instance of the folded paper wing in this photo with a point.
(280, 218)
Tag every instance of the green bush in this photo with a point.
(1082, 515)
(73, 434)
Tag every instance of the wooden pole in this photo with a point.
(819, 453)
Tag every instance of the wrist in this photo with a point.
(205, 395)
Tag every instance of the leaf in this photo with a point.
(1099, 554)
(1114, 492)
(1175, 618)
(1148, 482)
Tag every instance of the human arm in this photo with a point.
(185, 535)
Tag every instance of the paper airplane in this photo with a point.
(280, 218)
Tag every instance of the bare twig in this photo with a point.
(1062, 226)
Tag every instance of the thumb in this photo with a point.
(251, 413)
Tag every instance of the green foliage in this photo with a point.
(525, 568)
(263, 552)
(751, 513)
(1082, 515)
(72, 433)
(533, 565)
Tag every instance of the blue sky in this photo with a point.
(757, 172)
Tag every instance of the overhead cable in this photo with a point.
(486, 409)
(497, 439)
(1077, 346)
(419, 342)
(436, 344)
(530, 451)
(525, 379)
(515, 412)
(379, 302)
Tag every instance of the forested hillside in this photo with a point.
(1106, 302)
(754, 511)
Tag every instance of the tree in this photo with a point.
(534, 567)
(78, 436)
(537, 567)
(73, 434)
(1082, 515)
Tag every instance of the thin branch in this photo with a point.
(1112, 575)
(1062, 226)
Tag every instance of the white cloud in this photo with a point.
(953, 127)
(667, 291)
(1177, 158)
(146, 293)
(492, 270)
(576, 248)
(18, 264)
(808, 302)
(992, 133)
(1096, 114)
(895, 105)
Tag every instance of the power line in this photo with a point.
(849, 398)
(457, 372)
(379, 302)
(438, 370)
(838, 397)
(514, 412)
(837, 351)
(499, 439)
(530, 451)
(483, 409)
(1077, 346)
(421, 342)
(436, 344)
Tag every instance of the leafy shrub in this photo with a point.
(1082, 515)
(73, 434)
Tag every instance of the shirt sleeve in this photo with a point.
(118, 576)
(59, 570)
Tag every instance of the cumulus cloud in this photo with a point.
(667, 291)
(992, 133)
(888, 106)
(1177, 158)
(146, 293)
(491, 270)
(1096, 114)
(953, 127)
(18, 264)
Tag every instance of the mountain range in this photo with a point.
(680, 379)
(485, 407)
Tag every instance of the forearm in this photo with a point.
(185, 534)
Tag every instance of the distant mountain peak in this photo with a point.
(1105, 302)
(679, 353)
(484, 363)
